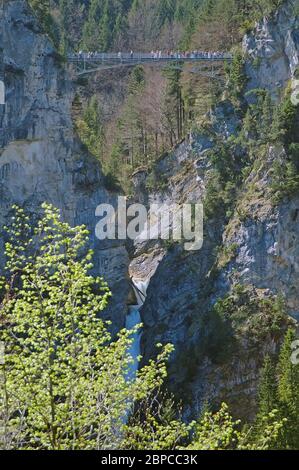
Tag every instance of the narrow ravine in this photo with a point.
(133, 319)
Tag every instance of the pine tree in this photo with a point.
(174, 100)
(266, 116)
(42, 9)
(166, 11)
(105, 28)
(90, 37)
(91, 129)
(65, 9)
(285, 122)
(268, 388)
(288, 391)
(237, 77)
(288, 372)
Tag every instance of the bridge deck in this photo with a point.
(113, 60)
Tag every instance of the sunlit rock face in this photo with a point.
(273, 49)
(185, 286)
(41, 158)
(268, 241)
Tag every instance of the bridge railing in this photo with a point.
(105, 57)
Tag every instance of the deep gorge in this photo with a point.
(218, 306)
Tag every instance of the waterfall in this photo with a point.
(133, 319)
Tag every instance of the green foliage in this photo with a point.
(111, 183)
(64, 383)
(226, 255)
(285, 182)
(285, 171)
(137, 81)
(251, 315)
(90, 128)
(265, 435)
(91, 131)
(216, 342)
(155, 426)
(58, 348)
(285, 122)
(288, 392)
(237, 77)
(149, 124)
(219, 431)
(258, 118)
(265, 124)
(130, 144)
(267, 388)
(216, 432)
(104, 23)
(43, 11)
(174, 108)
(279, 391)
(223, 180)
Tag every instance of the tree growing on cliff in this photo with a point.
(285, 171)
(237, 77)
(268, 388)
(91, 128)
(42, 9)
(278, 394)
(174, 108)
(288, 393)
(64, 383)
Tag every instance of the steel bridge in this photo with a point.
(206, 64)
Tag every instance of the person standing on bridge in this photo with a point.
(120, 56)
(132, 55)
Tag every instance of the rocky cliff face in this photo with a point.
(250, 258)
(40, 156)
(273, 50)
(256, 252)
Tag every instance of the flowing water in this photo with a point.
(133, 319)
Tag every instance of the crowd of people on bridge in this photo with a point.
(187, 55)
(153, 55)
